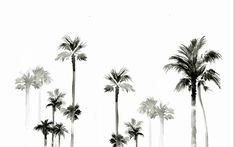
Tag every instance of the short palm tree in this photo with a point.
(55, 101)
(72, 112)
(164, 112)
(24, 83)
(118, 140)
(118, 80)
(41, 77)
(60, 130)
(189, 62)
(45, 128)
(133, 129)
(148, 107)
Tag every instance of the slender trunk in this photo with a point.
(45, 140)
(72, 134)
(53, 124)
(150, 133)
(27, 109)
(136, 141)
(73, 81)
(204, 115)
(161, 118)
(59, 141)
(116, 109)
(39, 104)
(193, 114)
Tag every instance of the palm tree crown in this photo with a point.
(134, 128)
(72, 112)
(148, 107)
(55, 99)
(60, 129)
(25, 81)
(45, 127)
(41, 76)
(118, 140)
(164, 111)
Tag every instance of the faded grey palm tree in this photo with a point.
(72, 112)
(118, 140)
(164, 112)
(55, 101)
(60, 130)
(118, 80)
(133, 130)
(148, 107)
(189, 62)
(24, 83)
(41, 77)
(45, 128)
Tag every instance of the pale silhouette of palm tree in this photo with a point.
(118, 80)
(118, 140)
(55, 101)
(60, 130)
(45, 128)
(189, 62)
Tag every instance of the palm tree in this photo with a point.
(118, 80)
(72, 112)
(133, 129)
(148, 107)
(55, 101)
(45, 127)
(60, 130)
(24, 83)
(164, 112)
(118, 140)
(41, 77)
(192, 65)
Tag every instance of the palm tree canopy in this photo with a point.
(41, 76)
(189, 62)
(72, 112)
(60, 129)
(118, 141)
(134, 128)
(148, 107)
(25, 81)
(72, 48)
(55, 99)
(164, 111)
(45, 127)
(118, 79)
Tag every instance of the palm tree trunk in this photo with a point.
(53, 121)
(72, 135)
(150, 133)
(59, 141)
(116, 109)
(73, 98)
(27, 111)
(136, 141)
(39, 104)
(204, 115)
(193, 114)
(45, 140)
(161, 118)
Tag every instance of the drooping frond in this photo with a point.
(63, 56)
(177, 67)
(81, 57)
(108, 88)
(183, 83)
(126, 87)
(211, 56)
(211, 75)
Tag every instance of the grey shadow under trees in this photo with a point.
(189, 62)
(72, 50)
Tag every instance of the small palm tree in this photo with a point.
(41, 77)
(118, 140)
(118, 80)
(72, 112)
(164, 112)
(60, 130)
(148, 107)
(24, 83)
(45, 128)
(189, 62)
(55, 101)
(133, 129)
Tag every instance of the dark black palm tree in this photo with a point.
(189, 62)
(45, 127)
(118, 80)
(55, 101)
(118, 140)
(60, 130)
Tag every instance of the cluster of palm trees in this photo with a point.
(189, 61)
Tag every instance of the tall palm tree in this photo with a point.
(133, 129)
(72, 112)
(24, 83)
(189, 62)
(164, 112)
(118, 80)
(148, 107)
(55, 101)
(60, 130)
(45, 127)
(41, 77)
(118, 140)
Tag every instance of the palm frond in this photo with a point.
(108, 88)
(63, 56)
(81, 57)
(211, 56)
(127, 87)
(183, 83)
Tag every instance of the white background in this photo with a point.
(139, 35)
